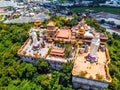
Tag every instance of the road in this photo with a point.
(22, 19)
(112, 31)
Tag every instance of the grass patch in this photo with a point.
(1, 17)
(97, 9)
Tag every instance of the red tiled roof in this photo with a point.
(57, 51)
(64, 34)
(58, 54)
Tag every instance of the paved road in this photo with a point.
(112, 31)
(22, 19)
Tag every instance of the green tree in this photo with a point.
(118, 26)
(94, 23)
(42, 66)
(102, 21)
(43, 80)
(114, 84)
(66, 75)
(54, 82)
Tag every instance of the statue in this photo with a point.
(92, 57)
(35, 44)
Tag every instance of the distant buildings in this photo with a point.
(108, 17)
(4, 3)
(86, 3)
(36, 0)
(2, 10)
(112, 3)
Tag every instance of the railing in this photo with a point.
(109, 79)
(22, 54)
(107, 68)
(23, 46)
(77, 50)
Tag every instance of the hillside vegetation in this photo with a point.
(18, 75)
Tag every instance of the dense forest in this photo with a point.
(18, 75)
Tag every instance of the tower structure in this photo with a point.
(37, 23)
(51, 30)
(81, 33)
(92, 57)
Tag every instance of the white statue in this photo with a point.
(33, 34)
(92, 57)
(34, 37)
(95, 45)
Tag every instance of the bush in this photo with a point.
(118, 26)
(99, 77)
(42, 66)
(83, 73)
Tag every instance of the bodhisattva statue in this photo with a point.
(35, 42)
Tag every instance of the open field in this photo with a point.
(97, 9)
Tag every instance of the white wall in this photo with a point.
(89, 82)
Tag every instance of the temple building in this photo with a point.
(64, 35)
(89, 35)
(59, 52)
(81, 33)
(90, 69)
(51, 30)
(56, 58)
(81, 44)
(37, 23)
